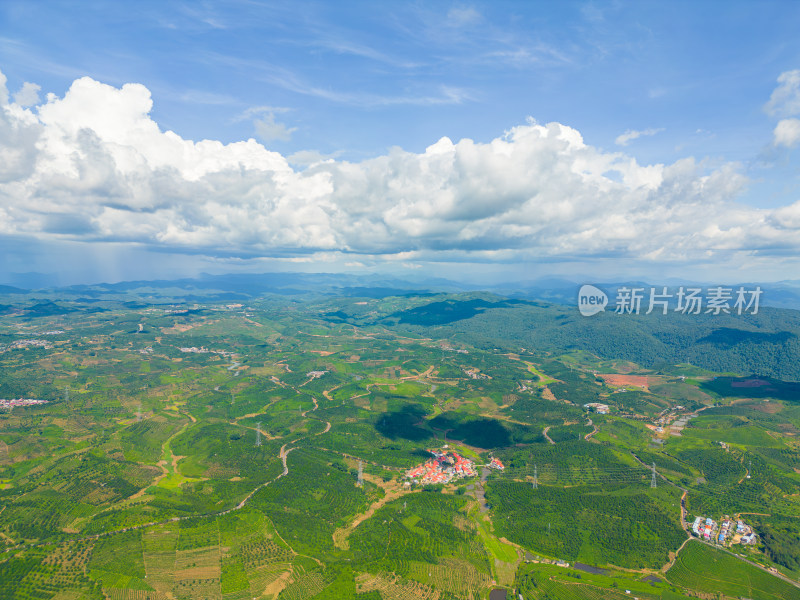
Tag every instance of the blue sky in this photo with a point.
(669, 157)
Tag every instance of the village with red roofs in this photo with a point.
(447, 466)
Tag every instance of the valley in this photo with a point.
(277, 448)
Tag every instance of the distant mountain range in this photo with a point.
(241, 287)
(541, 314)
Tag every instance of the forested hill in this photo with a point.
(765, 344)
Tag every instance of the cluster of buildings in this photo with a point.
(9, 404)
(668, 415)
(449, 348)
(597, 407)
(20, 344)
(533, 558)
(748, 536)
(475, 374)
(496, 464)
(444, 467)
(708, 529)
(315, 374)
(704, 530)
(204, 350)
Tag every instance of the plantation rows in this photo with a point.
(453, 575)
(545, 412)
(420, 528)
(305, 585)
(571, 462)
(312, 501)
(392, 587)
(713, 571)
(718, 467)
(626, 529)
(258, 551)
(87, 481)
(38, 574)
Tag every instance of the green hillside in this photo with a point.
(231, 451)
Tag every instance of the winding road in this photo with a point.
(547, 437)
(283, 455)
(690, 537)
(589, 423)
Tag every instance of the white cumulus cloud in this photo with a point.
(266, 126)
(787, 133)
(268, 129)
(94, 166)
(28, 94)
(785, 99)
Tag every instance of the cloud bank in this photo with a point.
(94, 166)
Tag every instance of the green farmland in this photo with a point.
(214, 453)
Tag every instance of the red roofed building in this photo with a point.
(496, 464)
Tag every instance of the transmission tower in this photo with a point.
(258, 434)
(360, 473)
(548, 530)
(139, 412)
(66, 394)
(749, 469)
(653, 480)
(535, 477)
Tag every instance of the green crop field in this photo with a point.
(713, 571)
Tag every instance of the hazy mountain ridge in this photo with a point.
(540, 318)
(242, 286)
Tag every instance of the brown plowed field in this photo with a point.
(624, 380)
